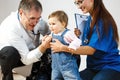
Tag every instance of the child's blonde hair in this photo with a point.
(61, 16)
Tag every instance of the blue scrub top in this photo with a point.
(106, 55)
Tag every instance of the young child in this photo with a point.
(64, 65)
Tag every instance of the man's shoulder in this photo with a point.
(10, 19)
(10, 22)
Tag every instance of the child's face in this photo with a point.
(55, 25)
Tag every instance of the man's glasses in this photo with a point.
(78, 2)
(32, 19)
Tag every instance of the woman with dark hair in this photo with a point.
(99, 42)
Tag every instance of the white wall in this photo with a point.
(6, 6)
(66, 5)
(70, 8)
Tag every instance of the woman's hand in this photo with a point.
(56, 46)
(77, 32)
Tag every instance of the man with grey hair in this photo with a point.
(18, 36)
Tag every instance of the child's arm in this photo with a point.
(73, 41)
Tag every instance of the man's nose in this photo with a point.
(35, 22)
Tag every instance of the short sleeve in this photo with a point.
(103, 42)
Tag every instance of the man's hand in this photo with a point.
(45, 43)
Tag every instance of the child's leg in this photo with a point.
(70, 71)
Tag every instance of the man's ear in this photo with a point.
(20, 12)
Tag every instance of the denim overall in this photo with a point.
(64, 65)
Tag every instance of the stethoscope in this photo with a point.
(85, 39)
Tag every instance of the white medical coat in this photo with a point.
(13, 34)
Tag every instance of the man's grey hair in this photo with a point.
(29, 4)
